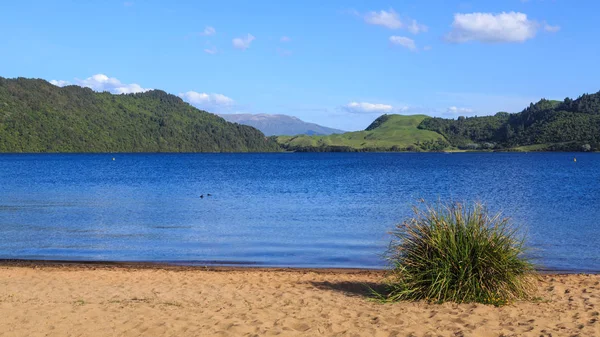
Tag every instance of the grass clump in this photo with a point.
(458, 253)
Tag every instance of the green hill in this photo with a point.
(548, 125)
(36, 116)
(570, 125)
(386, 133)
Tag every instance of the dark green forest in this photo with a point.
(36, 116)
(570, 125)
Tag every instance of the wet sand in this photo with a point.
(38, 299)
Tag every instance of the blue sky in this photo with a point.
(336, 63)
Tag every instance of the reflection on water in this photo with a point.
(300, 210)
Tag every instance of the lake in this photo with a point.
(287, 209)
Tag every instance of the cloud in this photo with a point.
(128, 3)
(457, 110)
(243, 43)
(285, 39)
(371, 108)
(208, 31)
(427, 48)
(391, 20)
(492, 28)
(551, 29)
(60, 83)
(206, 101)
(384, 18)
(416, 28)
(404, 42)
(101, 82)
(211, 50)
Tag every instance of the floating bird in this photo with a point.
(575, 160)
(201, 196)
(113, 158)
(209, 195)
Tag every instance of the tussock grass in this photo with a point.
(459, 253)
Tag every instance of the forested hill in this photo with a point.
(36, 116)
(570, 125)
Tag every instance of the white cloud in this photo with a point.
(457, 110)
(285, 39)
(243, 43)
(404, 42)
(206, 101)
(101, 82)
(60, 83)
(390, 19)
(492, 28)
(384, 18)
(208, 31)
(427, 48)
(416, 28)
(128, 3)
(371, 108)
(551, 29)
(211, 50)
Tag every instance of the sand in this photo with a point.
(74, 300)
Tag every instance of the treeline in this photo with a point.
(570, 125)
(36, 116)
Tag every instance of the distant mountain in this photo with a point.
(386, 133)
(278, 125)
(36, 116)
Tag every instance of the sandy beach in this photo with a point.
(105, 300)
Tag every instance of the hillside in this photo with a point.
(570, 125)
(36, 116)
(278, 125)
(386, 133)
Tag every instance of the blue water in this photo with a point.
(297, 210)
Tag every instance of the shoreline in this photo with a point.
(78, 264)
(224, 267)
(288, 152)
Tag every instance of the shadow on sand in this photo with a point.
(363, 289)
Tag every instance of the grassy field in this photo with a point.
(396, 130)
(564, 146)
(532, 148)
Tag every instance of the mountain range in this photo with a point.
(278, 125)
(36, 116)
